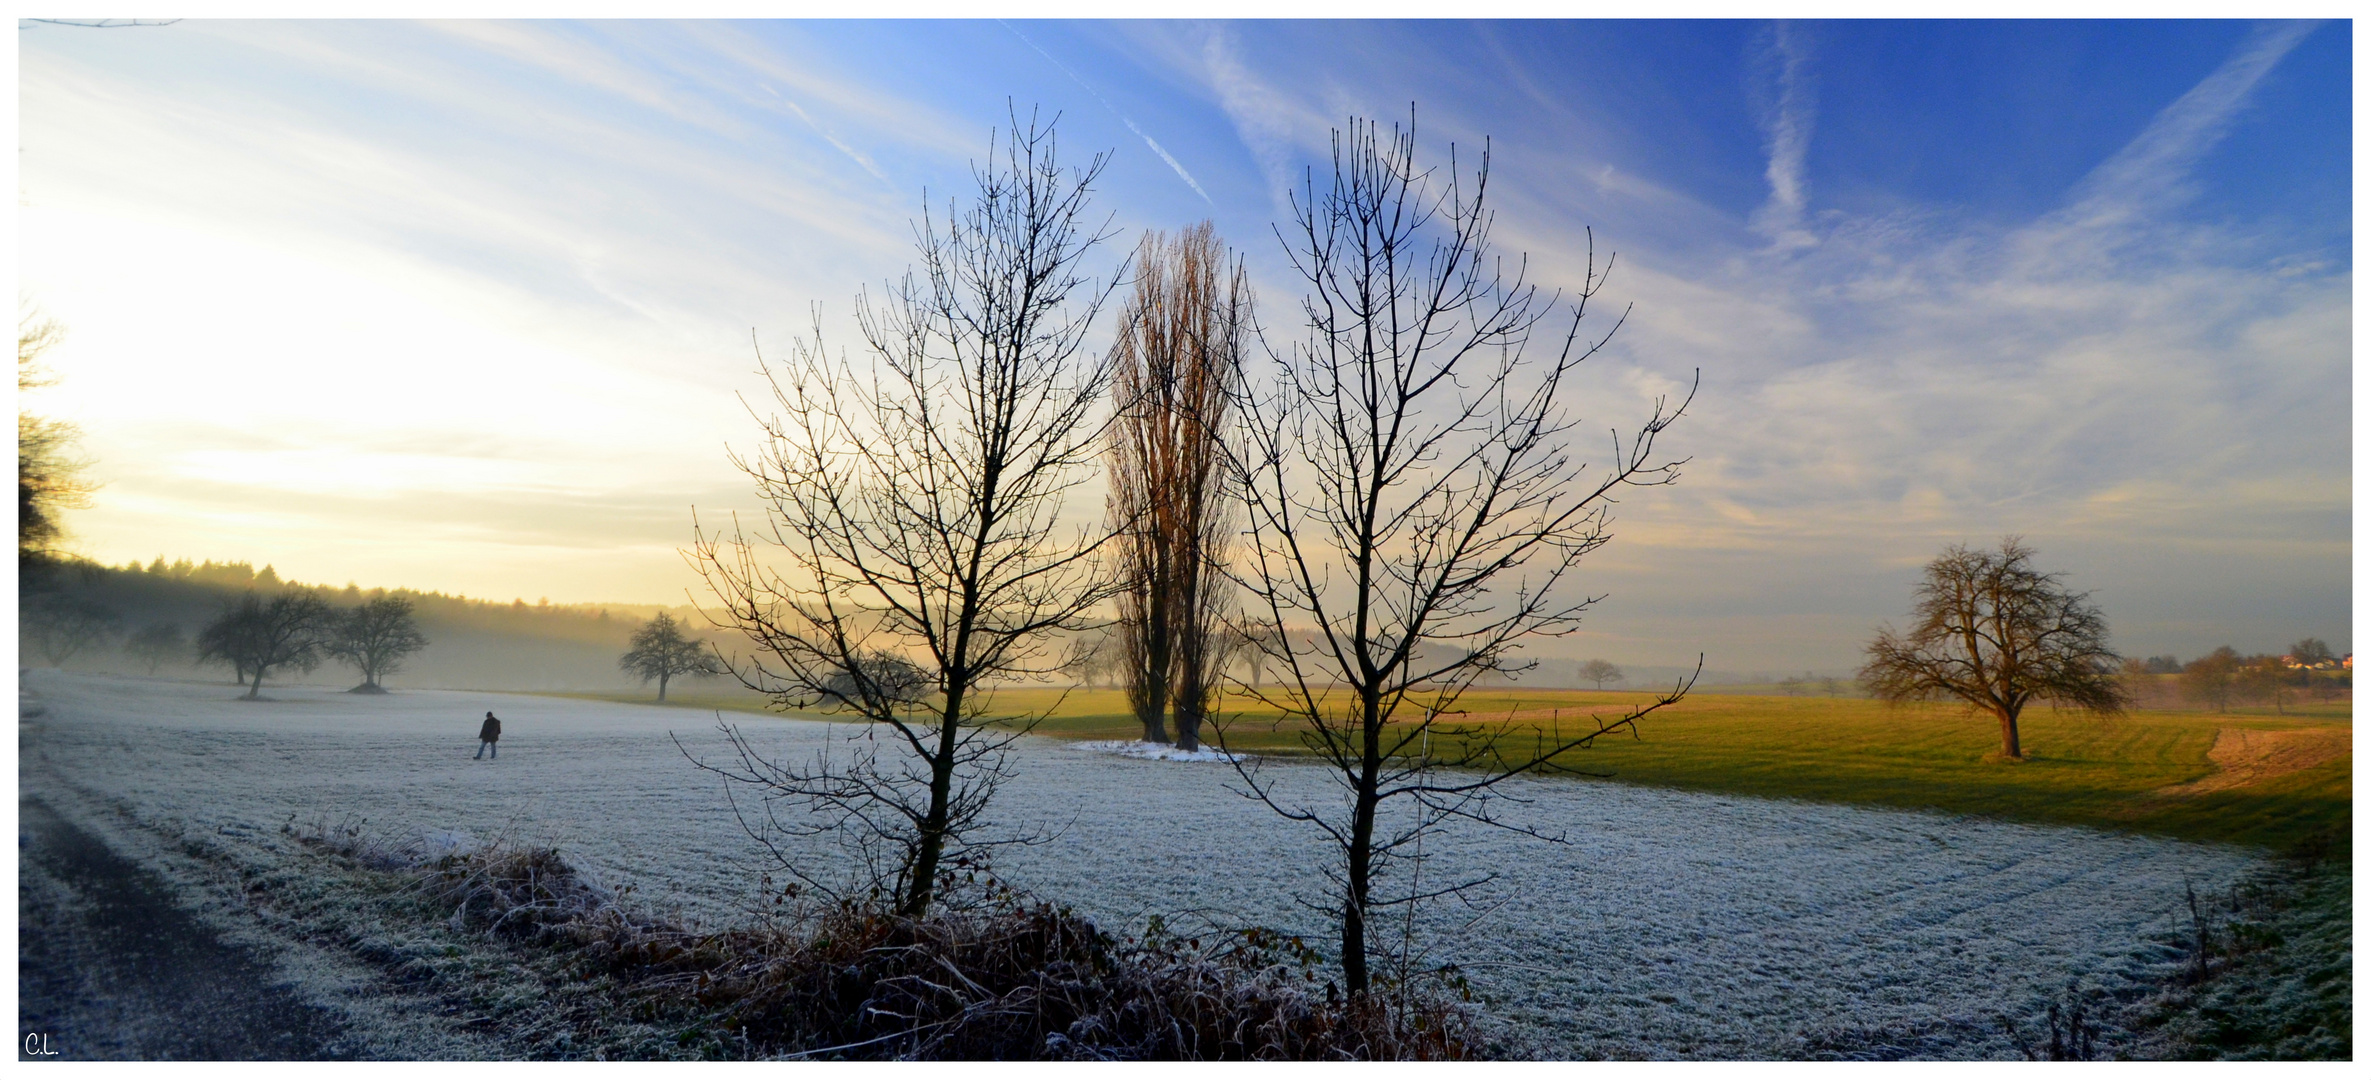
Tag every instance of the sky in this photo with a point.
(473, 306)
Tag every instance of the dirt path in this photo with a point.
(110, 969)
(2243, 757)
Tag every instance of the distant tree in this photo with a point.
(254, 636)
(1094, 660)
(2213, 679)
(883, 675)
(2163, 665)
(376, 637)
(1791, 685)
(1601, 672)
(2267, 679)
(2311, 652)
(1999, 635)
(156, 643)
(661, 651)
(63, 626)
(1831, 685)
(2140, 687)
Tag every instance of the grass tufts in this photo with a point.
(1004, 978)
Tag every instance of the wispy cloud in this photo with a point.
(2152, 171)
(1264, 118)
(1786, 127)
(1149, 141)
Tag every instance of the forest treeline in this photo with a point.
(472, 643)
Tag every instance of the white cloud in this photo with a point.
(1786, 126)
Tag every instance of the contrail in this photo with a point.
(1182, 174)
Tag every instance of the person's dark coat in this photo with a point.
(491, 731)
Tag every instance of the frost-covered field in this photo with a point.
(1671, 924)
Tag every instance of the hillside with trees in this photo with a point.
(122, 619)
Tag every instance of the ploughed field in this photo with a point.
(1670, 923)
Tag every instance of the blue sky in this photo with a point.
(467, 305)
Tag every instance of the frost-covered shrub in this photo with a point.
(1004, 978)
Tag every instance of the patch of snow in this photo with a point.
(1153, 751)
(1668, 925)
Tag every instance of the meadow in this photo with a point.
(2278, 779)
(1669, 924)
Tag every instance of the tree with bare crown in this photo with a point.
(912, 501)
(1415, 512)
(1175, 364)
(1999, 635)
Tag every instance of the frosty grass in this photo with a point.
(1668, 925)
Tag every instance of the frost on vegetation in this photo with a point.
(1671, 925)
(1151, 751)
(1000, 978)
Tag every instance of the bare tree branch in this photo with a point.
(1414, 511)
(912, 503)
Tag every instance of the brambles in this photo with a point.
(1016, 979)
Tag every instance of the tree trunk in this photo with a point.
(1354, 903)
(256, 691)
(1361, 861)
(662, 686)
(932, 842)
(1152, 699)
(2009, 733)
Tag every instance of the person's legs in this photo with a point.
(481, 751)
(494, 749)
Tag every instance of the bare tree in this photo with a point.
(1601, 672)
(254, 636)
(63, 626)
(1414, 515)
(1175, 365)
(913, 505)
(376, 637)
(2266, 679)
(1999, 635)
(48, 477)
(156, 643)
(2211, 680)
(660, 650)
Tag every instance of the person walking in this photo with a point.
(488, 734)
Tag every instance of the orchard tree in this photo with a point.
(914, 502)
(156, 643)
(2266, 678)
(1601, 672)
(61, 626)
(254, 635)
(2211, 680)
(660, 650)
(1996, 633)
(376, 637)
(1415, 511)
